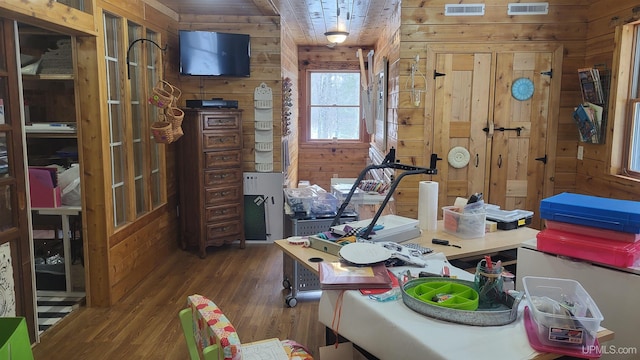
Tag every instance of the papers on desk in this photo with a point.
(270, 349)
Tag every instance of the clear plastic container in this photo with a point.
(300, 199)
(324, 204)
(463, 225)
(563, 311)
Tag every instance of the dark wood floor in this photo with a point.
(245, 283)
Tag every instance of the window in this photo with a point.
(113, 40)
(633, 108)
(137, 183)
(334, 106)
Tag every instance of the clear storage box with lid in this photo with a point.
(563, 311)
(463, 225)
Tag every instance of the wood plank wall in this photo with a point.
(266, 68)
(289, 60)
(134, 250)
(592, 172)
(319, 163)
(423, 23)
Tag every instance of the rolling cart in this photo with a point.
(295, 276)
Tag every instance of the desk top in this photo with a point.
(492, 242)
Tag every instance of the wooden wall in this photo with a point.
(289, 60)
(423, 23)
(593, 172)
(128, 254)
(319, 163)
(265, 68)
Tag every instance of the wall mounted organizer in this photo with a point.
(287, 105)
(263, 125)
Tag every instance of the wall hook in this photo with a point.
(129, 50)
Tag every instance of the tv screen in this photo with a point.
(214, 53)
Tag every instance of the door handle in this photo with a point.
(543, 159)
(499, 161)
(477, 159)
(489, 129)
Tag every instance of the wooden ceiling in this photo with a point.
(307, 20)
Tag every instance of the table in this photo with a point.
(427, 338)
(494, 242)
(390, 330)
(64, 212)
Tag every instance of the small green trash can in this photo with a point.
(14, 339)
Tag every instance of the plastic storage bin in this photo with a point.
(592, 231)
(605, 213)
(604, 251)
(508, 219)
(300, 199)
(324, 204)
(563, 311)
(463, 225)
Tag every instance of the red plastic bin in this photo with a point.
(592, 231)
(604, 251)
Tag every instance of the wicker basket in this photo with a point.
(162, 132)
(174, 115)
(162, 95)
(177, 133)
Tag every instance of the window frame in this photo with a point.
(145, 65)
(305, 133)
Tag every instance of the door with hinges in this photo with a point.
(492, 110)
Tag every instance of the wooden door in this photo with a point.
(518, 152)
(509, 149)
(461, 111)
(16, 286)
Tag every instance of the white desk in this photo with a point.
(64, 212)
(391, 330)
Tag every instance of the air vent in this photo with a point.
(464, 9)
(541, 8)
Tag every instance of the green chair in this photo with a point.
(207, 331)
(14, 339)
(208, 353)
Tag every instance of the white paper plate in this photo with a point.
(364, 253)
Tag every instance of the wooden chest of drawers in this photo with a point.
(209, 160)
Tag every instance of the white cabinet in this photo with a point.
(615, 291)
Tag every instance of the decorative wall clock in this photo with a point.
(522, 89)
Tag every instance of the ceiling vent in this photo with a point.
(464, 9)
(540, 8)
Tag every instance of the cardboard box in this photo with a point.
(43, 186)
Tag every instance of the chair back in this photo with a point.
(208, 331)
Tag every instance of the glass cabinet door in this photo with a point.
(14, 226)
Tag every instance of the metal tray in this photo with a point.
(506, 313)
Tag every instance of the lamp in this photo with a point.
(336, 37)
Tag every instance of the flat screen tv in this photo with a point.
(214, 53)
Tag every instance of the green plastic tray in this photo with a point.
(446, 294)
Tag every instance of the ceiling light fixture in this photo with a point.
(336, 37)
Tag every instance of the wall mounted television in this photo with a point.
(209, 53)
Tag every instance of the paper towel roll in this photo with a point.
(428, 205)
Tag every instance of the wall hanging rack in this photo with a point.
(129, 50)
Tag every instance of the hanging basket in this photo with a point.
(162, 94)
(162, 132)
(176, 95)
(177, 133)
(174, 115)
